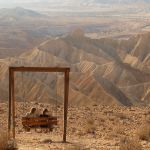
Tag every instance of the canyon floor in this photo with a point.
(89, 127)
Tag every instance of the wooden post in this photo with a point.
(66, 93)
(13, 103)
(9, 111)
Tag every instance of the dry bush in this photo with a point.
(112, 118)
(75, 146)
(101, 120)
(144, 132)
(130, 144)
(119, 130)
(6, 144)
(122, 116)
(90, 126)
(147, 119)
(47, 141)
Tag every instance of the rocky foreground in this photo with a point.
(89, 128)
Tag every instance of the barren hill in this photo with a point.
(104, 71)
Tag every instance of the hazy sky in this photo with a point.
(66, 4)
(45, 3)
(37, 1)
(10, 2)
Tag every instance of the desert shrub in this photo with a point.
(122, 116)
(144, 132)
(130, 144)
(102, 119)
(75, 146)
(119, 130)
(47, 141)
(5, 143)
(147, 119)
(90, 126)
(112, 118)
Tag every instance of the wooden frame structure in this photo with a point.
(11, 115)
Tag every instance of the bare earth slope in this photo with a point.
(104, 71)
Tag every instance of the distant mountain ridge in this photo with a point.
(121, 1)
(92, 2)
(19, 12)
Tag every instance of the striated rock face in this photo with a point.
(104, 71)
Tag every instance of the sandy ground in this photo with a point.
(89, 128)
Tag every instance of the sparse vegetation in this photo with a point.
(122, 116)
(76, 146)
(47, 141)
(90, 126)
(144, 132)
(117, 132)
(129, 144)
(5, 143)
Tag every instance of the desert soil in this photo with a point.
(89, 127)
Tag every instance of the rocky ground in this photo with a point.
(89, 128)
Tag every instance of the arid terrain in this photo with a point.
(106, 45)
(95, 127)
(103, 71)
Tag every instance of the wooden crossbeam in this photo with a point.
(39, 69)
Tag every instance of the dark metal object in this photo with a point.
(11, 115)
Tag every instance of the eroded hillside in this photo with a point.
(104, 71)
